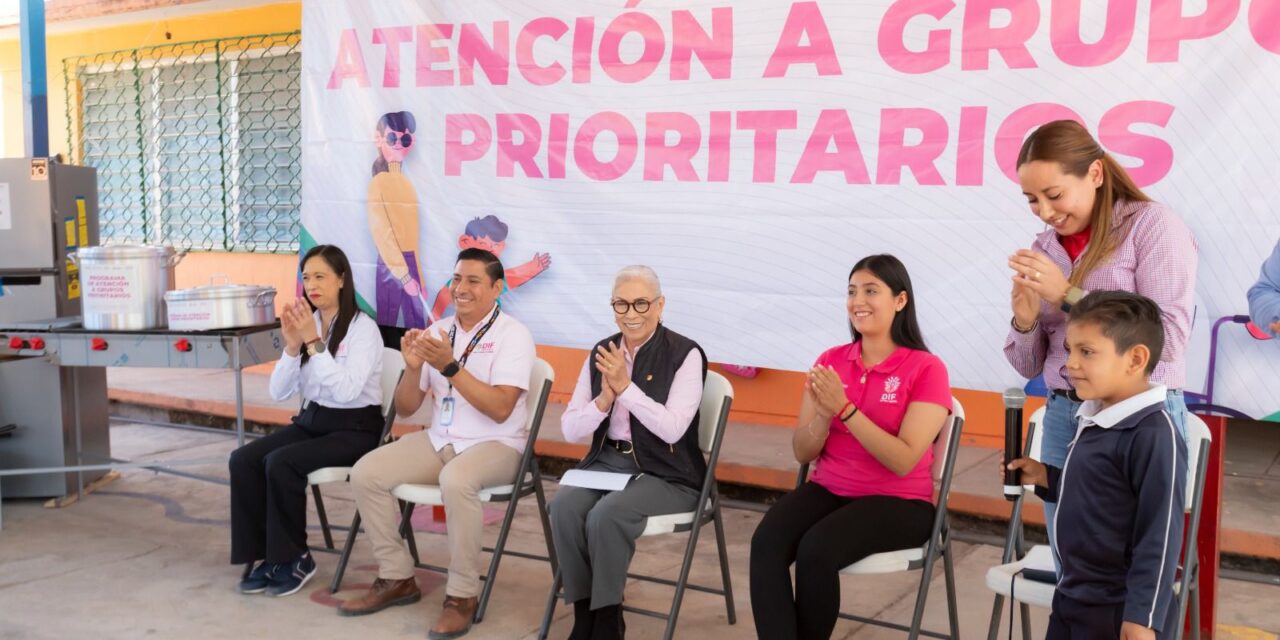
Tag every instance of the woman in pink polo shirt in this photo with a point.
(1102, 232)
(870, 413)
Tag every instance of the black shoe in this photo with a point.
(291, 577)
(582, 619)
(257, 580)
(608, 624)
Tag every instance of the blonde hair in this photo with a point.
(1069, 144)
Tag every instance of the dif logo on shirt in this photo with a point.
(890, 395)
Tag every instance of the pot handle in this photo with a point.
(177, 257)
(258, 301)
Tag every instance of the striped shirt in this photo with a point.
(1157, 258)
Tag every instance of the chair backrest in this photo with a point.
(392, 369)
(1033, 434)
(715, 391)
(1198, 437)
(540, 379)
(942, 444)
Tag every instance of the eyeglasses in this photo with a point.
(405, 138)
(621, 307)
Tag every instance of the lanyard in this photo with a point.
(475, 340)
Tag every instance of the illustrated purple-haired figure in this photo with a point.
(490, 233)
(393, 223)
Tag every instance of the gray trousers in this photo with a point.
(595, 531)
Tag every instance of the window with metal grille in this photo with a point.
(197, 144)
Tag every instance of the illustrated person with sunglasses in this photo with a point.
(393, 222)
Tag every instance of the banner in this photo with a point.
(752, 151)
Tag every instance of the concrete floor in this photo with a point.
(146, 556)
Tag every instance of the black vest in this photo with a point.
(653, 371)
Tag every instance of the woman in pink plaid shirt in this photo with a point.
(1104, 233)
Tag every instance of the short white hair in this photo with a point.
(639, 272)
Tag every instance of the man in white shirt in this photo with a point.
(476, 367)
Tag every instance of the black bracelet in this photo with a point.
(852, 412)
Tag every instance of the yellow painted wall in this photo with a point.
(273, 18)
(772, 398)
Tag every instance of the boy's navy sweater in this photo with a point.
(1120, 497)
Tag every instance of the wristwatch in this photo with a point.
(450, 370)
(1074, 294)
(315, 347)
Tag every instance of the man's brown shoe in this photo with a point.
(383, 594)
(455, 619)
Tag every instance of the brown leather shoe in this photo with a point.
(383, 594)
(455, 619)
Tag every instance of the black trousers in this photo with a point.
(1075, 620)
(822, 533)
(269, 478)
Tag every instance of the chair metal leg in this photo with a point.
(324, 519)
(948, 569)
(248, 568)
(997, 612)
(923, 592)
(724, 567)
(1024, 611)
(544, 517)
(496, 556)
(346, 554)
(685, 567)
(550, 610)
(406, 530)
(1195, 611)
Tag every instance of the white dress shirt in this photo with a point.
(350, 378)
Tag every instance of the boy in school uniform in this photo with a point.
(1121, 491)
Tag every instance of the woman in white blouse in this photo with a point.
(333, 357)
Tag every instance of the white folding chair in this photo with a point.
(713, 416)
(945, 448)
(1006, 580)
(392, 369)
(527, 480)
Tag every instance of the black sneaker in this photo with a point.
(291, 577)
(258, 579)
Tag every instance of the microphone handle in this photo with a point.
(1012, 451)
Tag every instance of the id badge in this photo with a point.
(446, 411)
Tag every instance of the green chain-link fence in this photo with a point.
(197, 144)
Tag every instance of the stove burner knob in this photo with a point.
(183, 345)
(17, 343)
(98, 344)
(37, 343)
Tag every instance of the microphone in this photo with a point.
(1014, 398)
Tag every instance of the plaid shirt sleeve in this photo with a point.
(1166, 273)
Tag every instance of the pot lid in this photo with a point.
(220, 292)
(126, 251)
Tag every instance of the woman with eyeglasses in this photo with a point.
(637, 401)
(871, 410)
(393, 222)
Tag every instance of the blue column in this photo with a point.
(35, 86)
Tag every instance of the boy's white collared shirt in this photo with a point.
(1091, 413)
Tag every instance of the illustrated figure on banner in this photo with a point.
(393, 223)
(490, 233)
